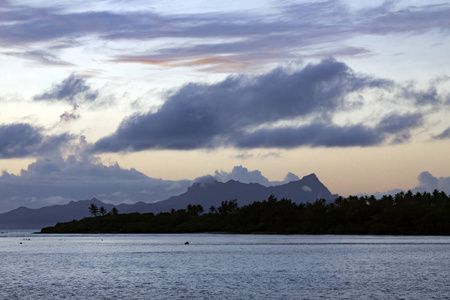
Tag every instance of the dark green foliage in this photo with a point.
(228, 207)
(403, 214)
(114, 211)
(93, 209)
(102, 211)
(194, 210)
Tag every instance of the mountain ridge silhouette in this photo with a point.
(206, 193)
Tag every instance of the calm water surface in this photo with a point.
(222, 267)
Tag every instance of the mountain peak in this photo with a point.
(311, 176)
(209, 181)
(208, 192)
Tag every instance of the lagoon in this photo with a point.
(220, 266)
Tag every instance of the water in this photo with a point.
(215, 266)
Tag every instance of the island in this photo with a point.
(402, 214)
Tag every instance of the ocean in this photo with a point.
(221, 266)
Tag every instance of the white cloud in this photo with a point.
(427, 183)
(306, 189)
(242, 174)
(59, 180)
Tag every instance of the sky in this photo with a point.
(134, 100)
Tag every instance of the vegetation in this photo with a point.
(93, 210)
(102, 211)
(402, 214)
(114, 211)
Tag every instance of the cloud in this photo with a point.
(399, 126)
(282, 34)
(68, 116)
(228, 113)
(314, 135)
(411, 19)
(306, 189)
(427, 183)
(26, 25)
(210, 64)
(242, 174)
(342, 52)
(325, 135)
(58, 180)
(72, 90)
(443, 135)
(429, 96)
(80, 177)
(40, 57)
(291, 177)
(23, 140)
(253, 36)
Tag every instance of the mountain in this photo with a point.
(24, 217)
(213, 192)
(206, 193)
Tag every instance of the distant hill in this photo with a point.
(206, 193)
(403, 214)
(212, 193)
(24, 217)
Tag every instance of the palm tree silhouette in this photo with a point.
(93, 210)
(102, 211)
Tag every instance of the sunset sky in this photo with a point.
(132, 100)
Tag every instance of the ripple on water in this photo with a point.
(223, 266)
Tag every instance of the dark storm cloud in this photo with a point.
(222, 114)
(23, 140)
(424, 97)
(443, 135)
(329, 135)
(71, 89)
(314, 135)
(278, 34)
(395, 123)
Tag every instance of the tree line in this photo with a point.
(402, 214)
(94, 210)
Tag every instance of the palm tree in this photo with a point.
(228, 207)
(195, 210)
(102, 211)
(114, 211)
(93, 210)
